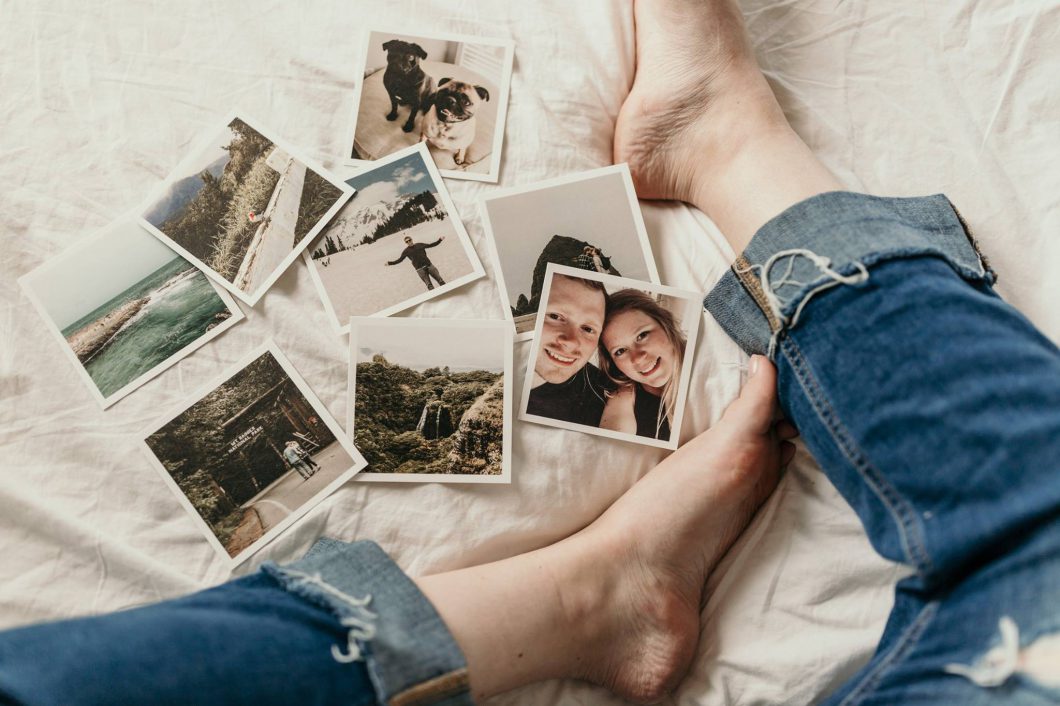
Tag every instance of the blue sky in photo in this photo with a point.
(407, 175)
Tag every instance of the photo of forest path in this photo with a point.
(393, 201)
(244, 208)
(228, 453)
(433, 420)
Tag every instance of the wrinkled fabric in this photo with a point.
(101, 100)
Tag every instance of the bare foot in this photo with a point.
(618, 603)
(698, 94)
(654, 548)
(702, 125)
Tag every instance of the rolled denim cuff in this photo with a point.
(829, 240)
(410, 655)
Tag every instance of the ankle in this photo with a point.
(758, 167)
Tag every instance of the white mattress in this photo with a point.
(101, 99)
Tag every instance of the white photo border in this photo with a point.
(693, 315)
(502, 107)
(491, 237)
(505, 476)
(231, 562)
(477, 271)
(25, 281)
(201, 145)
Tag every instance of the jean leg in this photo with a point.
(342, 626)
(934, 407)
(245, 642)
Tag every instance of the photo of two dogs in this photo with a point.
(448, 105)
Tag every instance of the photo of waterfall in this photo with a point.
(430, 399)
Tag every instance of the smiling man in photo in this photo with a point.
(566, 385)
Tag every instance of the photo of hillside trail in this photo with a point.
(430, 421)
(244, 211)
(273, 240)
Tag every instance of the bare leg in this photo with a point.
(701, 124)
(618, 603)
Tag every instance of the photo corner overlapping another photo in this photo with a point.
(611, 356)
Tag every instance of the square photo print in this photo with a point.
(611, 356)
(242, 206)
(251, 454)
(430, 400)
(125, 307)
(398, 242)
(591, 221)
(448, 91)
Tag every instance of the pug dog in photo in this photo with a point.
(405, 82)
(450, 122)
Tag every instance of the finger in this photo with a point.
(756, 406)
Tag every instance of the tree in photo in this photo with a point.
(409, 421)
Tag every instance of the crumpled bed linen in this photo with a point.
(101, 99)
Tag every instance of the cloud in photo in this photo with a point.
(386, 183)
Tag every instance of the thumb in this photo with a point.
(756, 407)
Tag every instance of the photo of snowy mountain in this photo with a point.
(396, 243)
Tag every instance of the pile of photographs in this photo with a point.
(429, 400)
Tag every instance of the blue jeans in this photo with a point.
(343, 625)
(932, 405)
(934, 408)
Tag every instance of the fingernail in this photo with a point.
(756, 363)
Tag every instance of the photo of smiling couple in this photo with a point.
(613, 355)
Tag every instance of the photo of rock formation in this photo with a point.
(562, 250)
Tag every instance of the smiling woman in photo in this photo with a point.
(641, 351)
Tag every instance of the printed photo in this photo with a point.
(252, 454)
(242, 207)
(447, 91)
(591, 221)
(431, 399)
(125, 307)
(398, 242)
(611, 356)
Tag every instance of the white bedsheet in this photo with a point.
(101, 99)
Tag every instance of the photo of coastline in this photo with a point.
(126, 307)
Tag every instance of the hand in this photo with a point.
(441, 237)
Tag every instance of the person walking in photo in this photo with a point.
(306, 456)
(417, 255)
(297, 458)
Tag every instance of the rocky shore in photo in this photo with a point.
(88, 340)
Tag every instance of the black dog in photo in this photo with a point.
(404, 80)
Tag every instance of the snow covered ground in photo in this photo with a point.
(359, 283)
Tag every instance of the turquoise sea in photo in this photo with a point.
(181, 306)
